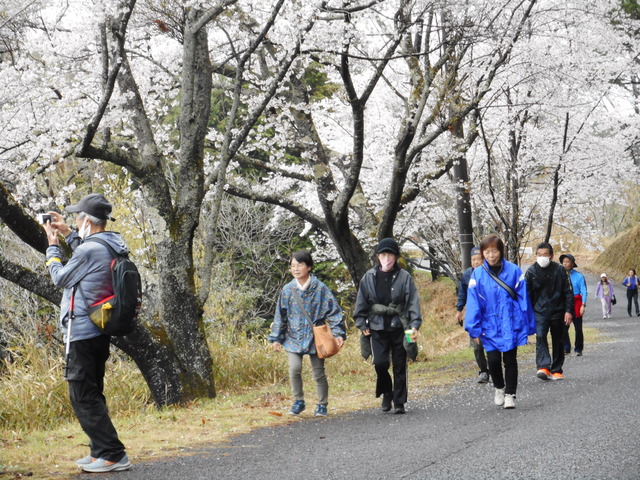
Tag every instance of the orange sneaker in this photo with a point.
(543, 374)
(557, 376)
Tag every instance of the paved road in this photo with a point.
(586, 427)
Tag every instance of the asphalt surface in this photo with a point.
(586, 427)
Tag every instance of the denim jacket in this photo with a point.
(290, 326)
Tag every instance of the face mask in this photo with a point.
(387, 263)
(85, 229)
(543, 261)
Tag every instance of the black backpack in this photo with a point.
(116, 315)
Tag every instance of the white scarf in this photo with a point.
(306, 284)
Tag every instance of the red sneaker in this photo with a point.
(557, 376)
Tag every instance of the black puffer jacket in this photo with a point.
(403, 292)
(550, 290)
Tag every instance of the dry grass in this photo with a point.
(622, 254)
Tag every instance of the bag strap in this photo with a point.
(501, 283)
(296, 295)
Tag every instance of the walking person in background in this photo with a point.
(478, 349)
(579, 304)
(499, 312)
(631, 282)
(604, 291)
(86, 278)
(551, 295)
(292, 331)
(387, 284)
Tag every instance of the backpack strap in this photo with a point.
(501, 283)
(114, 254)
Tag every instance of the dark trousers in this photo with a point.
(385, 344)
(478, 352)
(508, 381)
(577, 325)
(86, 382)
(632, 295)
(543, 357)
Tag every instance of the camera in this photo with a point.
(44, 218)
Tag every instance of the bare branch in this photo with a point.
(32, 281)
(211, 14)
(279, 201)
(266, 167)
(120, 34)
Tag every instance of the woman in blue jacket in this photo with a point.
(631, 282)
(499, 311)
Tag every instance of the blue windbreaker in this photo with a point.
(501, 322)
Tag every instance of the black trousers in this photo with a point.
(87, 361)
(508, 381)
(387, 344)
(543, 357)
(577, 324)
(632, 296)
(478, 352)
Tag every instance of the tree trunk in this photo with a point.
(557, 181)
(157, 363)
(351, 252)
(554, 201)
(180, 309)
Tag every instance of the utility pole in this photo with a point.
(463, 201)
(460, 172)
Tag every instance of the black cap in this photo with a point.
(570, 257)
(475, 251)
(388, 245)
(93, 204)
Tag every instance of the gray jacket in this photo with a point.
(403, 292)
(90, 267)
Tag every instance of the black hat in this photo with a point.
(570, 257)
(475, 251)
(93, 204)
(388, 245)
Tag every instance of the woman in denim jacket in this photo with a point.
(292, 331)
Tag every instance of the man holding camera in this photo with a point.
(86, 279)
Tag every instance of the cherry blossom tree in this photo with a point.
(368, 157)
(554, 135)
(357, 117)
(132, 85)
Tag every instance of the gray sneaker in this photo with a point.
(100, 465)
(483, 377)
(84, 461)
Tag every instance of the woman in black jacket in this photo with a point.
(386, 293)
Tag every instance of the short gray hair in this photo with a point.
(96, 221)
